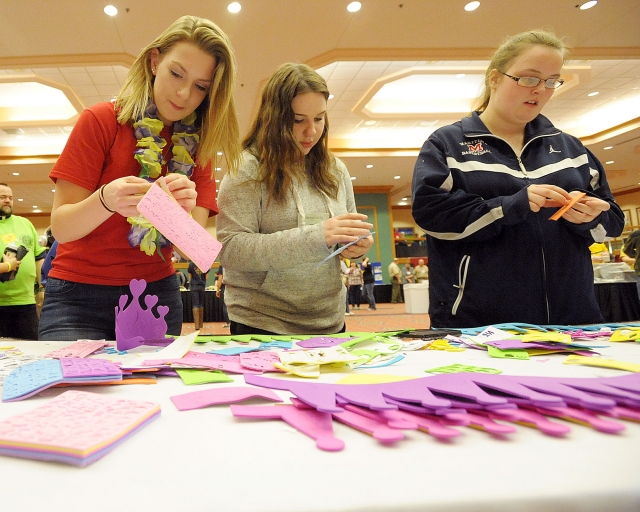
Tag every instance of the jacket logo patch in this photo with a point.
(475, 148)
(551, 150)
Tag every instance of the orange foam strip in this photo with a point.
(562, 210)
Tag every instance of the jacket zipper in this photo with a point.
(524, 172)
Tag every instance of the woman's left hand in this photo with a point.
(358, 249)
(182, 189)
(585, 210)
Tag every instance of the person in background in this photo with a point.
(395, 275)
(369, 282)
(484, 188)
(173, 115)
(18, 312)
(197, 286)
(344, 275)
(630, 254)
(287, 209)
(220, 295)
(422, 271)
(354, 278)
(181, 278)
(408, 274)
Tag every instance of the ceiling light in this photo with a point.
(110, 10)
(218, 168)
(405, 198)
(37, 211)
(353, 178)
(369, 166)
(610, 162)
(34, 206)
(354, 7)
(370, 122)
(20, 200)
(396, 177)
(588, 5)
(331, 96)
(234, 7)
(16, 173)
(402, 203)
(219, 153)
(594, 93)
(608, 147)
(471, 6)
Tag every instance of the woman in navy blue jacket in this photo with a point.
(484, 189)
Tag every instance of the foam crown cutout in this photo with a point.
(136, 326)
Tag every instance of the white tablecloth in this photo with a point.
(206, 459)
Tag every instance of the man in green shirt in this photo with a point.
(18, 316)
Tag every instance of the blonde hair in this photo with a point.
(511, 49)
(217, 113)
(271, 139)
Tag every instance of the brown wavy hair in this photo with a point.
(271, 139)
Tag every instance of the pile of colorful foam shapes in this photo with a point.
(33, 377)
(75, 428)
(435, 404)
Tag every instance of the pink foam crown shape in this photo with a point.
(137, 326)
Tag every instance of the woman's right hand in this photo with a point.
(546, 196)
(345, 228)
(123, 195)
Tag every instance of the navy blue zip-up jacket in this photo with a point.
(491, 259)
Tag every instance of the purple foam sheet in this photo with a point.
(136, 326)
(433, 391)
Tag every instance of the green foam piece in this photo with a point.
(191, 376)
(216, 339)
(512, 353)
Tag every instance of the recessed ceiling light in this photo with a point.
(608, 147)
(396, 177)
(20, 200)
(16, 173)
(234, 7)
(37, 211)
(369, 166)
(588, 5)
(370, 122)
(610, 162)
(53, 190)
(402, 203)
(405, 198)
(217, 181)
(353, 178)
(594, 93)
(331, 96)
(218, 168)
(110, 10)
(354, 7)
(219, 153)
(471, 6)
(34, 206)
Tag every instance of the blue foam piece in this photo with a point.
(30, 378)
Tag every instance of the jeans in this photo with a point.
(74, 311)
(197, 297)
(368, 292)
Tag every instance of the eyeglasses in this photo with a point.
(532, 81)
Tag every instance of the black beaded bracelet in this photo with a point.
(101, 196)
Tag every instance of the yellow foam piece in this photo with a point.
(603, 363)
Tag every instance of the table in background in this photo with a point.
(212, 307)
(618, 301)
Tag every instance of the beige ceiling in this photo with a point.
(73, 45)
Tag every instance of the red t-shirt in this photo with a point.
(100, 150)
